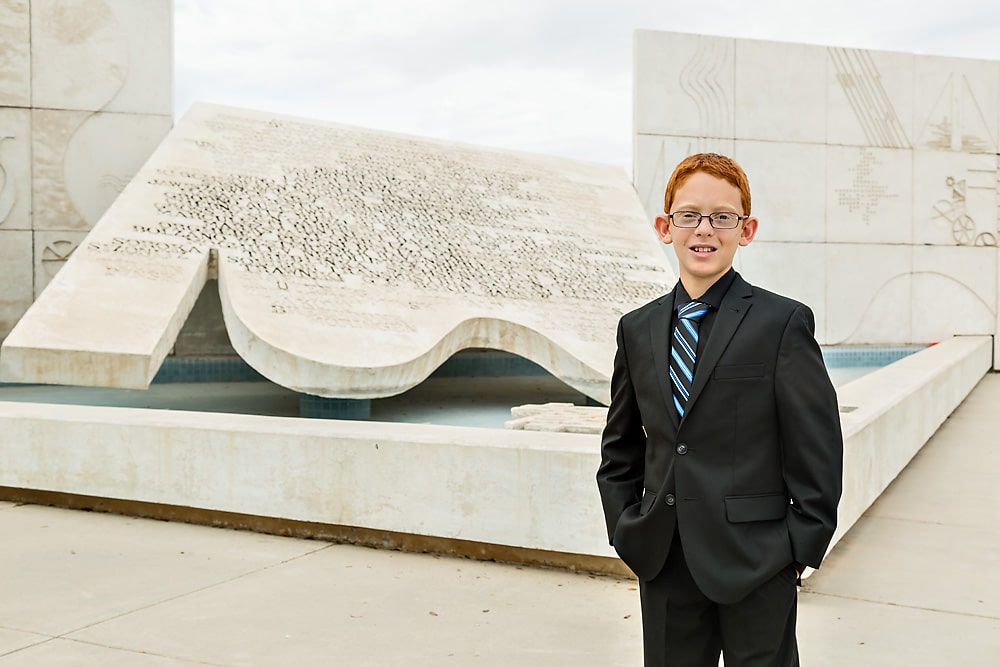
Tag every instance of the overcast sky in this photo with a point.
(546, 76)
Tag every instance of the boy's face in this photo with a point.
(705, 254)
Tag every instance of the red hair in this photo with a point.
(712, 164)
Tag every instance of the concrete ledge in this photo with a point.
(488, 493)
(888, 415)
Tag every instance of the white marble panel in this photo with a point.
(683, 84)
(15, 168)
(869, 98)
(52, 250)
(16, 268)
(148, 87)
(780, 91)
(104, 154)
(82, 162)
(958, 105)
(79, 54)
(787, 183)
(795, 270)
(15, 65)
(954, 291)
(655, 159)
(869, 294)
(954, 198)
(869, 195)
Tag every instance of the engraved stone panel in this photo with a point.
(954, 198)
(52, 251)
(84, 160)
(869, 195)
(964, 279)
(351, 263)
(869, 98)
(683, 84)
(869, 293)
(15, 169)
(79, 54)
(781, 267)
(958, 107)
(15, 267)
(15, 65)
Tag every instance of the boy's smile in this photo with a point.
(704, 253)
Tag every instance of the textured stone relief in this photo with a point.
(52, 251)
(80, 54)
(351, 263)
(957, 120)
(8, 189)
(15, 65)
(82, 161)
(953, 210)
(704, 78)
(866, 193)
(859, 78)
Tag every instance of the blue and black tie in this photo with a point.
(684, 352)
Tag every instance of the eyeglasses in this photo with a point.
(718, 220)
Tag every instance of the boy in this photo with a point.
(722, 456)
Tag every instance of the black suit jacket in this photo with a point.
(751, 477)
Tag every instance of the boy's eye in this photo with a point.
(724, 217)
(687, 216)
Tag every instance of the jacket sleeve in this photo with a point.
(623, 444)
(811, 439)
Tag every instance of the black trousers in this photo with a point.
(683, 628)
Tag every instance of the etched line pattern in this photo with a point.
(861, 82)
(8, 193)
(700, 81)
(865, 193)
(957, 121)
(55, 254)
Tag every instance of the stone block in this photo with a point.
(83, 161)
(869, 98)
(93, 55)
(16, 269)
(869, 293)
(869, 195)
(954, 291)
(15, 66)
(959, 107)
(51, 252)
(683, 84)
(954, 198)
(780, 103)
(15, 168)
(787, 189)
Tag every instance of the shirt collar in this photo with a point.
(712, 296)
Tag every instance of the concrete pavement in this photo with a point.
(915, 582)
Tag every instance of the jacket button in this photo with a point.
(682, 449)
(670, 500)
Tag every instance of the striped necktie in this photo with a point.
(684, 352)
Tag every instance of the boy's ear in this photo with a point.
(749, 231)
(662, 225)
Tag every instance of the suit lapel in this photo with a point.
(735, 305)
(659, 331)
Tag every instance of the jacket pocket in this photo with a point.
(769, 507)
(739, 372)
(648, 498)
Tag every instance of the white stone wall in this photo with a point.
(86, 91)
(874, 174)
